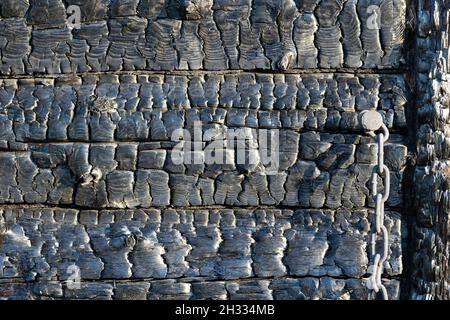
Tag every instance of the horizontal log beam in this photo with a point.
(308, 288)
(160, 35)
(150, 107)
(314, 170)
(46, 243)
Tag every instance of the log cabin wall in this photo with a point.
(88, 185)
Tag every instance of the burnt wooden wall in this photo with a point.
(86, 177)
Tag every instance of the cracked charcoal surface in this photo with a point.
(211, 244)
(316, 170)
(90, 118)
(129, 108)
(280, 289)
(430, 262)
(213, 35)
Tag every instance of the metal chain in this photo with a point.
(371, 122)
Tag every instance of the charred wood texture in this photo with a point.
(88, 114)
(431, 178)
(199, 35)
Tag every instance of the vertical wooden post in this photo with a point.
(432, 172)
